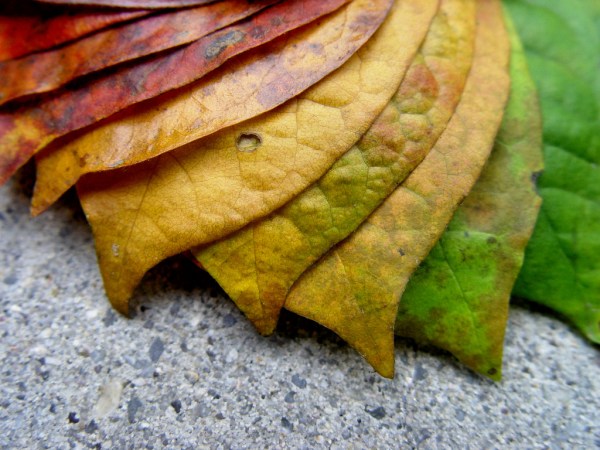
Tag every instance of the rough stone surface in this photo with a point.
(188, 371)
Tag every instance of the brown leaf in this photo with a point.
(131, 3)
(264, 259)
(247, 87)
(24, 34)
(210, 188)
(42, 72)
(359, 283)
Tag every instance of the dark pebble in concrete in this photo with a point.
(156, 349)
(285, 423)
(229, 320)
(176, 404)
(10, 280)
(378, 413)
(420, 373)
(109, 318)
(202, 410)
(91, 427)
(132, 408)
(289, 397)
(299, 381)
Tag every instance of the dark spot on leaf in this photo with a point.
(535, 176)
(257, 32)
(491, 240)
(248, 142)
(276, 21)
(218, 46)
(401, 252)
(492, 371)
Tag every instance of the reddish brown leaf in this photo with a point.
(24, 34)
(30, 128)
(42, 72)
(131, 3)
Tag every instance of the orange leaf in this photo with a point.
(42, 72)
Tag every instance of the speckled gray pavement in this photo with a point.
(188, 371)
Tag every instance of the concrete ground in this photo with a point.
(188, 371)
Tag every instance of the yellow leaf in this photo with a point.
(213, 187)
(258, 265)
(355, 289)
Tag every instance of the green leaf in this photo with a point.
(562, 261)
(458, 298)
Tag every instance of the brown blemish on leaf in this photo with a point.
(217, 47)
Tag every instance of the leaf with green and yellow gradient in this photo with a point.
(258, 265)
(355, 288)
(458, 298)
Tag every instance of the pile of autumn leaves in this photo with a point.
(367, 164)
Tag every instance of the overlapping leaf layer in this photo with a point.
(368, 164)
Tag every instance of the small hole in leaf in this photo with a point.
(248, 142)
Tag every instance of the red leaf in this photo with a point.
(24, 34)
(44, 72)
